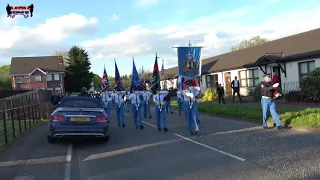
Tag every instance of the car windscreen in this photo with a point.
(81, 102)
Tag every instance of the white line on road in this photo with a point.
(203, 145)
(149, 124)
(126, 114)
(214, 149)
(67, 172)
(25, 178)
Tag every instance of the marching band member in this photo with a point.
(160, 110)
(136, 107)
(127, 101)
(118, 99)
(105, 97)
(146, 104)
(179, 97)
(190, 107)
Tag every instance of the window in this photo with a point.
(249, 78)
(49, 77)
(38, 78)
(211, 81)
(56, 77)
(208, 81)
(19, 79)
(57, 90)
(305, 68)
(26, 79)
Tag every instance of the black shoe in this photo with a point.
(172, 112)
(119, 125)
(145, 117)
(141, 127)
(165, 129)
(191, 133)
(279, 127)
(196, 133)
(180, 114)
(123, 125)
(265, 127)
(150, 117)
(159, 129)
(198, 121)
(274, 125)
(137, 127)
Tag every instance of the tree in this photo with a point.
(5, 80)
(78, 73)
(97, 81)
(64, 56)
(254, 41)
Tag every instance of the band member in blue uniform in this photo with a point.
(180, 100)
(190, 107)
(160, 110)
(167, 100)
(136, 107)
(146, 104)
(105, 97)
(127, 101)
(118, 99)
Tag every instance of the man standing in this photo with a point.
(161, 114)
(235, 85)
(190, 107)
(146, 104)
(105, 97)
(220, 91)
(267, 102)
(118, 98)
(167, 100)
(179, 97)
(136, 107)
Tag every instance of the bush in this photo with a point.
(256, 93)
(310, 86)
(210, 95)
(294, 96)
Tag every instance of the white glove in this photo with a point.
(276, 85)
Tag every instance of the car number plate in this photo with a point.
(80, 119)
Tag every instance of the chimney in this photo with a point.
(60, 59)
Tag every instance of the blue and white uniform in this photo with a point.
(146, 104)
(180, 101)
(119, 104)
(105, 97)
(190, 108)
(136, 105)
(160, 110)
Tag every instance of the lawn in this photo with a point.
(307, 117)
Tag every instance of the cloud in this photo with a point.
(217, 33)
(145, 3)
(45, 38)
(114, 17)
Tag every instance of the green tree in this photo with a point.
(97, 81)
(78, 72)
(5, 80)
(253, 41)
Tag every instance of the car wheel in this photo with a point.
(50, 139)
(106, 139)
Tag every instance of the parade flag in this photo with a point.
(162, 69)
(135, 80)
(117, 78)
(189, 62)
(195, 82)
(105, 80)
(155, 80)
(143, 81)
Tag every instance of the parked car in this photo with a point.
(78, 116)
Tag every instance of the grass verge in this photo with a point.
(306, 117)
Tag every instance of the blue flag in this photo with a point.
(189, 62)
(135, 80)
(117, 79)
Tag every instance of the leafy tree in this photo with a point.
(5, 80)
(78, 73)
(310, 86)
(97, 81)
(253, 41)
(210, 95)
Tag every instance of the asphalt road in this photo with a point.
(225, 149)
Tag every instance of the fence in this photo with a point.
(290, 86)
(22, 112)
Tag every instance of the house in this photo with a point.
(43, 72)
(292, 58)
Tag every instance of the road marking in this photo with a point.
(25, 178)
(203, 145)
(126, 114)
(67, 172)
(149, 124)
(214, 149)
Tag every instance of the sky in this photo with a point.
(123, 29)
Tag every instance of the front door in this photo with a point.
(227, 80)
(276, 69)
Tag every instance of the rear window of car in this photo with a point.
(81, 103)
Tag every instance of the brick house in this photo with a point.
(43, 72)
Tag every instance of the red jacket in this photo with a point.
(275, 79)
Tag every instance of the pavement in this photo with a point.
(225, 149)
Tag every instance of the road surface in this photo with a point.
(225, 149)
